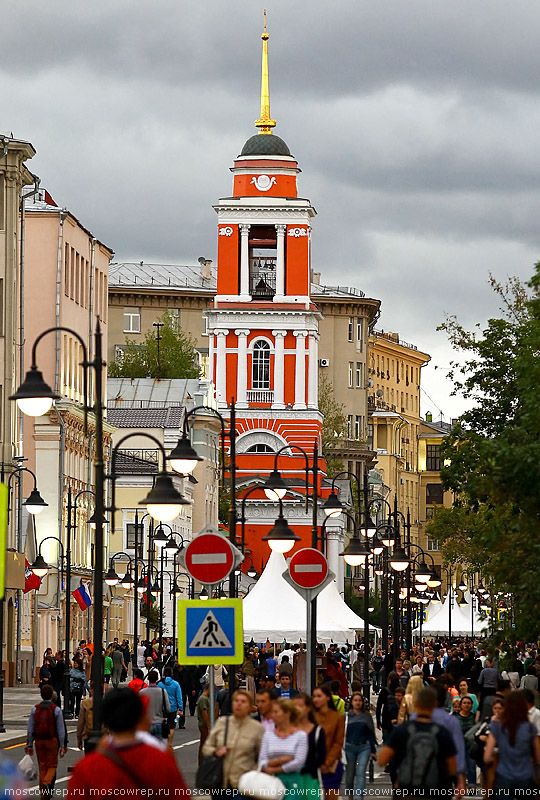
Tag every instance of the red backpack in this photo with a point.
(44, 722)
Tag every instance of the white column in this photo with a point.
(280, 264)
(300, 370)
(313, 369)
(241, 371)
(334, 546)
(245, 295)
(221, 367)
(279, 369)
(211, 353)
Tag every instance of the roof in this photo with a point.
(319, 290)
(127, 462)
(161, 276)
(265, 145)
(150, 393)
(165, 417)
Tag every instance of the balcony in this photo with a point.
(262, 278)
(260, 396)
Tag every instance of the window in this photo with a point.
(434, 494)
(370, 436)
(433, 544)
(349, 426)
(358, 374)
(429, 512)
(174, 317)
(132, 320)
(433, 457)
(261, 366)
(351, 374)
(350, 330)
(359, 332)
(357, 427)
(260, 448)
(130, 538)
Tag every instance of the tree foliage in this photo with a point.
(334, 425)
(492, 456)
(173, 356)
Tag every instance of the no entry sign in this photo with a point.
(209, 558)
(308, 568)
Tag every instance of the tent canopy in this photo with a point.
(464, 619)
(274, 610)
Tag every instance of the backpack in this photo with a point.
(419, 768)
(389, 712)
(44, 722)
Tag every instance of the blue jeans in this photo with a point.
(471, 769)
(357, 760)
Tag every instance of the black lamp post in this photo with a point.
(34, 397)
(275, 488)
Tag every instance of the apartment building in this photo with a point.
(394, 378)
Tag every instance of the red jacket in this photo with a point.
(137, 684)
(150, 768)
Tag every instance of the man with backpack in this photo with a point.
(422, 753)
(47, 732)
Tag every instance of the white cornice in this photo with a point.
(280, 320)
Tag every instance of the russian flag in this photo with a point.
(82, 596)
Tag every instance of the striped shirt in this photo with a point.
(274, 746)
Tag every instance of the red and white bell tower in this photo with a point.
(263, 328)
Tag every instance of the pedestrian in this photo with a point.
(284, 750)
(149, 667)
(316, 755)
(487, 681)
(203, 716)
(529, 680)
(47, 731)
(176, 703)
(45, 671)
(387, 706)
(285, 690)
(107, 668)
(518, 748)
(140, 654)
(376, 675)
(138, 682)
(265, 706)
(465, 717)
(339, 703)
(432, 669)
(333, 724)
(159, 707)
(422, 753)
(77, 686)
(124, 764)
(236, 738)
(117, 665)
(360, 745)
(407, 707)
(85, 721)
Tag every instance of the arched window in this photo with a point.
(260, 448)
(260, 371)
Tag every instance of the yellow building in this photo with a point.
(430, 488)
(394, 377)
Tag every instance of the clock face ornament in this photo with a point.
(263, 182)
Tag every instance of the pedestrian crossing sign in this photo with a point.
(210, 632)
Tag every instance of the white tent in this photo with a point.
(274, 610)
(464, 619)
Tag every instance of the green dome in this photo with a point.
(265, 145)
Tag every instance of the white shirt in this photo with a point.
(534, 718)
(140, 655)
(289, 653)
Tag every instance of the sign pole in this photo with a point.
(310, 655)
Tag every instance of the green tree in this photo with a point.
(173, 355)
(492, 456)
(334, 425)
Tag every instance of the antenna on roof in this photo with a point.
(201, 260)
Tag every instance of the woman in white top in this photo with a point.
(284, 750)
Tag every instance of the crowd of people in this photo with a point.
(445, 716)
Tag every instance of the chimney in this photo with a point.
(206, 269)
(316, 278)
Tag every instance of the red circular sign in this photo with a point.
(308, 568)
(209, 558)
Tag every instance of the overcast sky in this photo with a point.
(416, 125)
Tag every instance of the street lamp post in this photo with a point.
(35, 397)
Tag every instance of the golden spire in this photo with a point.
(265, 123)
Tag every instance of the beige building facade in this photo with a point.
(15, 177)
(66, 270)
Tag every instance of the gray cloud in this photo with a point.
(415, 124)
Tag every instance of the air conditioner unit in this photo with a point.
(324, 362)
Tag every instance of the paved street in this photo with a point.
(18, 703)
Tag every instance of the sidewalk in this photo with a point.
(18, 703)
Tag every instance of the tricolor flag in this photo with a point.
(82, 596)
(31, 580)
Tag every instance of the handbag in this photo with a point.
(260, 785)
(210, 771)
(26, 766)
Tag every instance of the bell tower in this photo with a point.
(263, 327)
